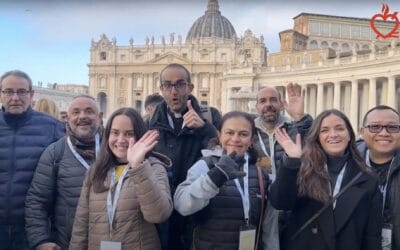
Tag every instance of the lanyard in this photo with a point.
(112, 203)
(78, 156)
(271, 149)
(382, 188)
(338, 183)
(244, 194)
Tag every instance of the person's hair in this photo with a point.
(179, 66)
(237, 114)
(85, 96)
(17, 73)
(153, 99)
(106, 159)
(279, 93)
(63, 113)
(379, 107)
(47, 106)
(313, 178)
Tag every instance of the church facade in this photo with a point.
(337, 60)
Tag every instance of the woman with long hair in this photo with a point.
(126, 191)
(335, 203)
(47, 106)
(224, 190)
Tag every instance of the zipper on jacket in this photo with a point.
(11, 172)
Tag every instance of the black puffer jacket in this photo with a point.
(393, 217)
(47, 185)
(217, 225)
(183, 148)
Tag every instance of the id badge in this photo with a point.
(110, 245)
(387, 236)
(247, 237)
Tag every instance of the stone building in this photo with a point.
(337, 60)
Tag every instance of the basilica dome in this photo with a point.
(211, 24)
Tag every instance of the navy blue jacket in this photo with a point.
(23, 138)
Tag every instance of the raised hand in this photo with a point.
(292, 149)
(294, 105)
(226, 169)
(191, 119)
(138, 150)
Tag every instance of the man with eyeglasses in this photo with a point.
(183, 133)
(381, 150)
(24, 134)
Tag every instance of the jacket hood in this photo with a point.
(162, 158)
(282, 120)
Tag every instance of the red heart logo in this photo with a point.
(385, 16)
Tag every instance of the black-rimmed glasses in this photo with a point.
(179, 85)
(376, 128)
(19, 92)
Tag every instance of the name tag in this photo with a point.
(247, 238)
(387, 237)
(110, 245)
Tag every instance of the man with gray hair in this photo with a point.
(56, 185)
(24, 135)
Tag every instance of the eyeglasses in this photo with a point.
(179, 85)
(376, 128)
(19, 92)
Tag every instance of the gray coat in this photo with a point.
(54, 195)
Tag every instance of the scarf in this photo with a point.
(85, 147)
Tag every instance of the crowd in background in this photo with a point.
(186, 177)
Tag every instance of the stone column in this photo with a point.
(306, 98)
(384, 93)
(372, 93)
(345, 101)
(229, 101)
(129, 102)
(112, 96)
(224, 97)
(329, 96)
(313, 100)
(320, 98)
(391, 93)
(195, 82)
(336, 95)
(364, 99)
(212, 89)
(354, 105)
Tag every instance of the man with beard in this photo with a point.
(183, 133)
(56, 185)
(24, 135)
(270, 107)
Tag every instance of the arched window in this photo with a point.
(345, 47)
(313, 44)
(324, 44)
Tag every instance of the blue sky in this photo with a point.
(50, 40)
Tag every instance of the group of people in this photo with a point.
(183, 180)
